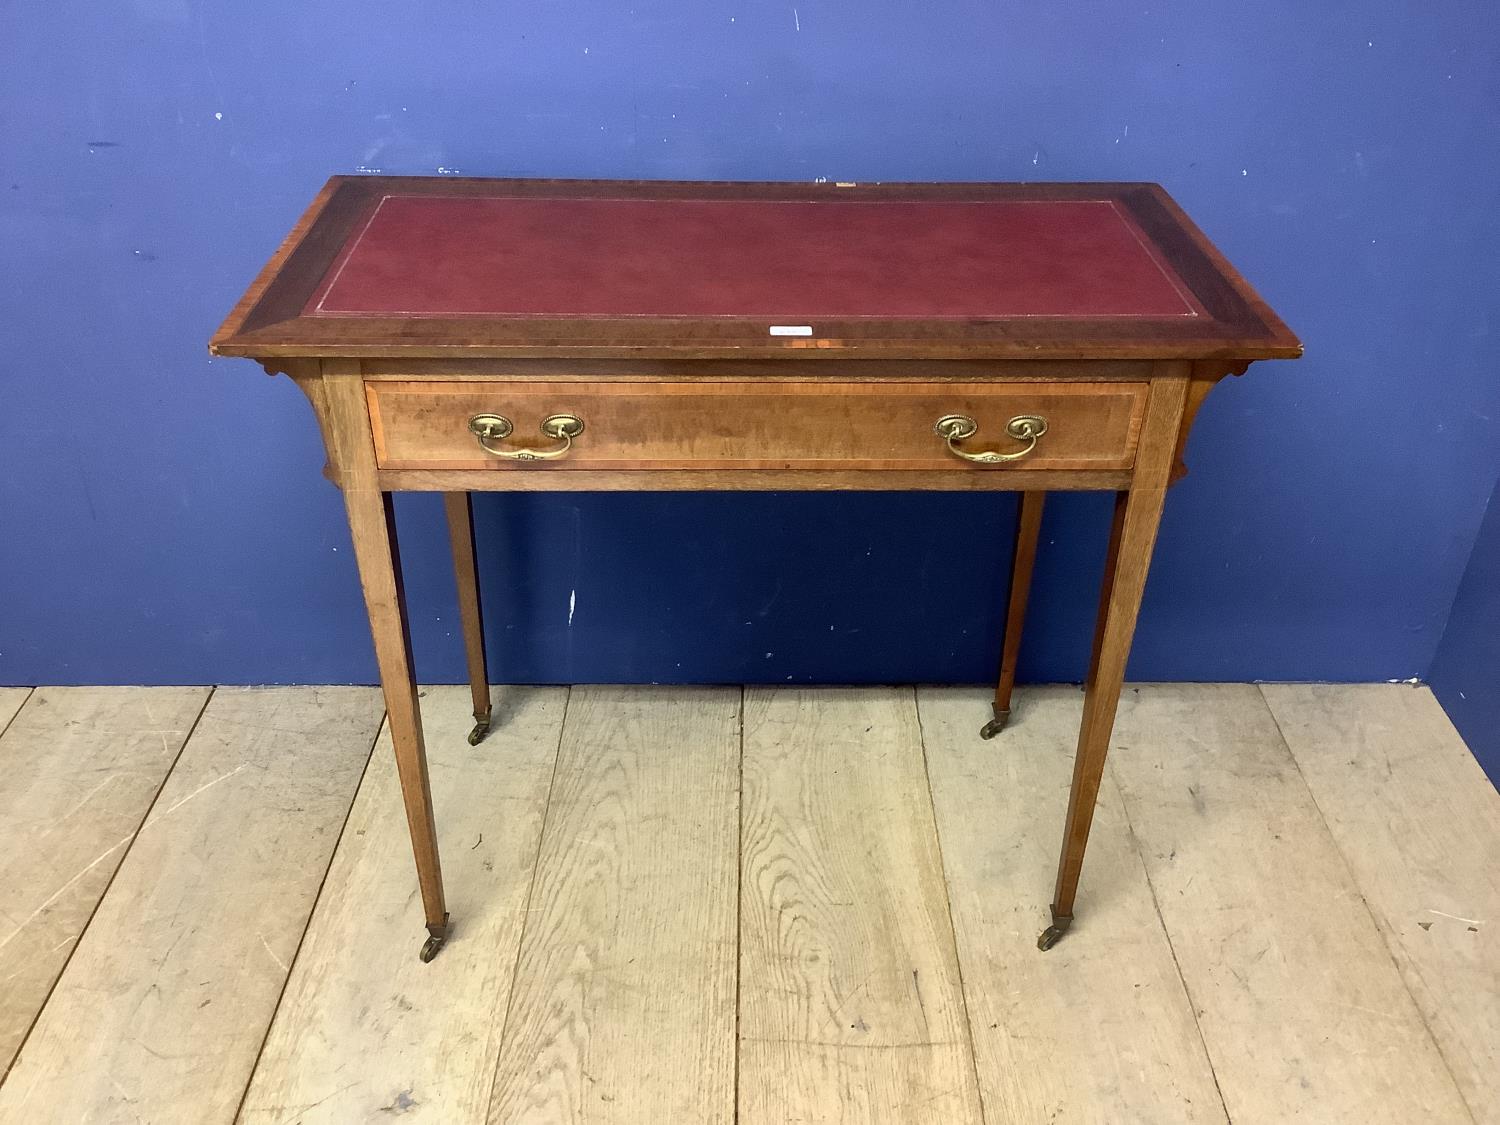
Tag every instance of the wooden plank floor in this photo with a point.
(764, 906)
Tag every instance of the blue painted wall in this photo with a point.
(162, 518)
(1466, 674)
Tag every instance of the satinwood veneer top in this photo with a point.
(423, 267)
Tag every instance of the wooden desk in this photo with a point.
(462, 335)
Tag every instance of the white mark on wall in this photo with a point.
(441, 171)
(377, 171)
(218, 117)
(1123, 135)
(572, 604)
(1244, 171)
(796, 20)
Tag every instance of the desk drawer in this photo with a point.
(426, 424)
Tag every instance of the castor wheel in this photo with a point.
(995, 725)
(1053, 933)
(437, 936)
(481, 728)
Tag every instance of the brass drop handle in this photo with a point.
(954, 428)
(495, 427)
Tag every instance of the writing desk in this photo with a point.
(463, 335)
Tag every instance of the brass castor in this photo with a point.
(476, 736)
(995, 725)
(1053, 933)
(436, 937)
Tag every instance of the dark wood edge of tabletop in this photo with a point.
(267, 322)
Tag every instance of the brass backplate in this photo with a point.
(562, 425)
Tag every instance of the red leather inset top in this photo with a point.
(788, 261)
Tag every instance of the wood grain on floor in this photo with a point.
(1303, 1013)
(850, 1005)
(366, 1030)
(623, 1002)
(1100, 1029)
(163, 1007)
(79, 767)
(1419, 825)
(707, 906)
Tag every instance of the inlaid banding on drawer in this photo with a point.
(425, 424)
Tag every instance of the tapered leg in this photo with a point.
(1132, 538)
(373, 526)
(461, 534)
(337, 392)
(1023, 562)
(1107, 582)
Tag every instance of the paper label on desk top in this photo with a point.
(791, 330)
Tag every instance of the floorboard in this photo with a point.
(1287, 912)
(1099, 1028)
(79, 767)
(850, 1007)
(163, 1007)
(11, 699)
(1302, 1010)
(365, 1028)
(1419, 825)
(623, 1005)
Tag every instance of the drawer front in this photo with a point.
(425, 424)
